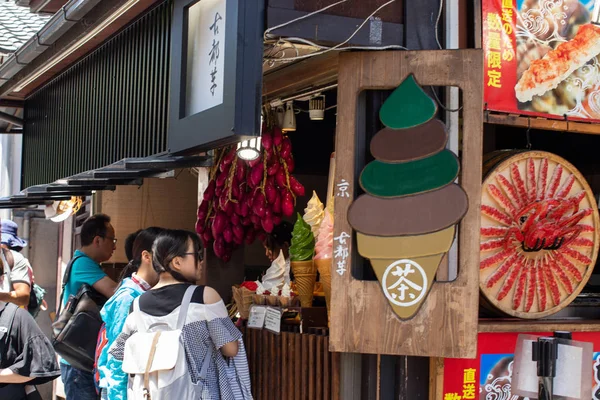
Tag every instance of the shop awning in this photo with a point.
(128, 171)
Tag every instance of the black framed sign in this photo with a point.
(216, 73)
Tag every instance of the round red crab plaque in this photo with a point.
(539, 233)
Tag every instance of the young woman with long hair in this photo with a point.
(137, 277)
(214, 351)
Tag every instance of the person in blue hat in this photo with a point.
(15, 281)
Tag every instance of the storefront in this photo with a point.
(420, 273)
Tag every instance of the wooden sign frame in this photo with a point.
(362, 320)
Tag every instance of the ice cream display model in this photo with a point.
(302, 250)
(405, 222)
(313, 214)
(324, 254)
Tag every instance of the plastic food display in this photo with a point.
(539, 233)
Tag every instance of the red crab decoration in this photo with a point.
(544, 226)
(538, 236)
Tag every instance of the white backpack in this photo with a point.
(155, 360)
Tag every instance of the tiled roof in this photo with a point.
(17, 25)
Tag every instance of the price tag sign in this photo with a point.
(256, 320)
(273, 319)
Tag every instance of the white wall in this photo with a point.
(10, 167)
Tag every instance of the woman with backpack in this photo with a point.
(137, 277)
(178, 342)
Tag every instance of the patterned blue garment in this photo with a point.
(114, 314)
(207, 325)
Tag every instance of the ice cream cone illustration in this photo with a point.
(302, 250)
(406, 221)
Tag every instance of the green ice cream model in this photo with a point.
(302, 250)
(303, 241)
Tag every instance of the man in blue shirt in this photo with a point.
(98, 243)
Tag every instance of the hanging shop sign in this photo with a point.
(541, 58)
(216, 73)
(403, 227)
(406, 221)
(539, 233)
(490, 375)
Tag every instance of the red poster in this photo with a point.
(489, 375)
(517, 34)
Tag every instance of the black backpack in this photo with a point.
(77, 325)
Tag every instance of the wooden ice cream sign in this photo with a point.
(406, 220)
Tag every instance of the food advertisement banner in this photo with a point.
(541, 58)
(489, 376)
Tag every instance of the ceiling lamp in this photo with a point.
(249, 149)
(60, 211)
(289, 119)
(316, 108)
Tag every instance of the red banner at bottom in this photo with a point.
(489, 375)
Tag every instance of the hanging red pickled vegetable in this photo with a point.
(244, 200)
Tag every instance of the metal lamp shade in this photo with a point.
(249, 149)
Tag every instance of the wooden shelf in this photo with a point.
(521, 121)
(512, 325)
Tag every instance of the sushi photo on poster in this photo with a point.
(542, 58)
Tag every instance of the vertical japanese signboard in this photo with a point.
(205, 64)
(216, 73)
(540, 58)
(489, 376)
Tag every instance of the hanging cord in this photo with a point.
(437, 40)
(437, 24)
(567, 120)
(442, 105)
(337, 46)
(267, 37)
(268, 31)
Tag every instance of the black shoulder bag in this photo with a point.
(76, 328)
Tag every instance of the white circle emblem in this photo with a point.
(404, 283)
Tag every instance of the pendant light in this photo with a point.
(60, 211)
(250, 149)
(316, 108)
(289, 119)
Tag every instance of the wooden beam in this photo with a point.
(12, 103)
(538, 326)
(542, 123)
(310, 73)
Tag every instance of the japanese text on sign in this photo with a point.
(214, 53)
(341, 253)
(205, 55)
(498, 45)
(342, 188)
(468, 384)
